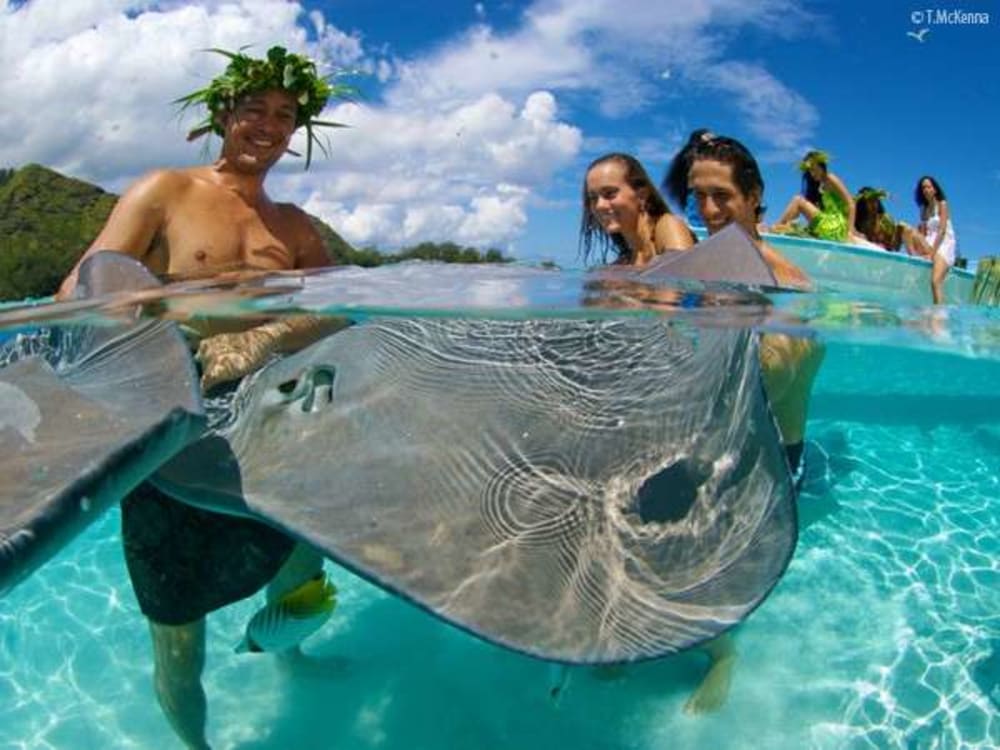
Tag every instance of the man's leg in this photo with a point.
(304, 564)
(179, 657)
(714, 688)
(789, 366)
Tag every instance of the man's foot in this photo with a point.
(714, 689)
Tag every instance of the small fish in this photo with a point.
(285, 623)
(558, 680)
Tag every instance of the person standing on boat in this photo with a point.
(624, 212)
(185, 562)
(825, 202)
(935, 236)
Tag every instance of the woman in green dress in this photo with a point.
(825, 202)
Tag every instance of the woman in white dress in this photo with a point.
(934, 237)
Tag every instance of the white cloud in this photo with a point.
(482, 110)
(772, 112)
(612, 50)
(455, 171)
(462, 138)
(88, 86)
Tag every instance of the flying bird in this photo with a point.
(918, 35)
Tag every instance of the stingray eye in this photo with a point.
(316, 388)
(313, 388)
(323, 377)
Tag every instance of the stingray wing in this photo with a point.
(82, 427)
(582, 491)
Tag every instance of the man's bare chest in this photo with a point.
(219, 231)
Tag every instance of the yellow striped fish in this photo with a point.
(285, 623)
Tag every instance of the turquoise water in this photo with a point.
(883, 633)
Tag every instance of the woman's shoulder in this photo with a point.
(672, 233)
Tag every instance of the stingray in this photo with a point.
(81, 427)
(581, 490)
(585, 491)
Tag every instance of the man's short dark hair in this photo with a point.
(746, 173)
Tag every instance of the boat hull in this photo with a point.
(855, 269)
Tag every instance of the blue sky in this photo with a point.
(478, 119)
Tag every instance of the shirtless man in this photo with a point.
(183, 561)
(727, 187)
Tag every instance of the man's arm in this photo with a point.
(133, 224)
(786, 273)
(310, 249)
(789, 364)
(230, 356)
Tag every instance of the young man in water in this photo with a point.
(727, 186)
(185, 562)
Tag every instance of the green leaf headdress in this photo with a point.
(280, 69)
(866, 193)
(814, 157)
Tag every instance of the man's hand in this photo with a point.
(231, 356)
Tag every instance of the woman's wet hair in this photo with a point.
(675, 182)
(810, 185)
(592, 234)
(746, 173)
(918, 194)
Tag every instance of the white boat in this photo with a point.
(855, 269)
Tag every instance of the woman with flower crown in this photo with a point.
(825, 202)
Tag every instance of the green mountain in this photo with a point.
(47, 220)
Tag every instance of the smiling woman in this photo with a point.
(622, 209)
